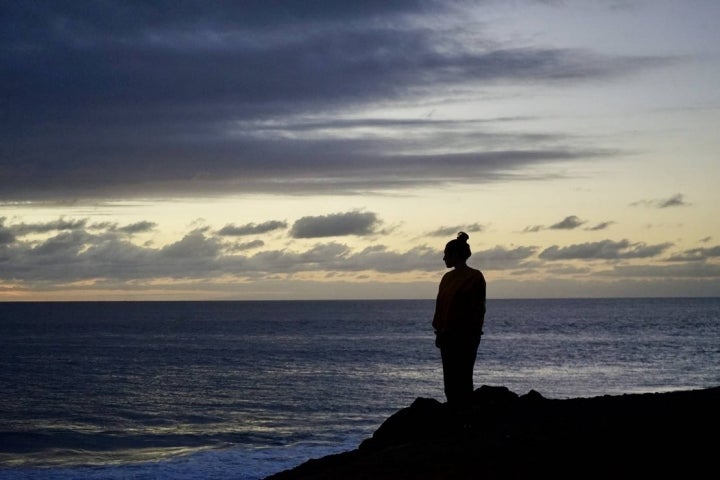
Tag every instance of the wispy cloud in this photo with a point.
(677, 200)
(674, 201)
(252, 228)
(600, 226)
(139, 227)
(568, 223)
(533, 228)
(452, 231)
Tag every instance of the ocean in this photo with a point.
(241, 390)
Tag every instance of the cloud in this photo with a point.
(501, 258)
(381, 259)
(46, 227)
(106, 255)
(108, 258)
(221, 97)
(600, 226)
(677, 200)
(453, 231)
(691, 270)
(6, 235)
(193, 246)
(80, 255)
(62, 224)
(674, 201)
(337, 224)
(139, 227)
(252, 228)
(568, 223)
(696, 255)
(239, 247)
(568, 270)
(603, 250)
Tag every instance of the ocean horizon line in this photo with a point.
(309, 300)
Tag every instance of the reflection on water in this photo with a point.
(106, 383)
(60, 457)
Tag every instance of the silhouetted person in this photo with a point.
(458, 321)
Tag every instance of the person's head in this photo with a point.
(457, 251)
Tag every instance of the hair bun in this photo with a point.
(463, 237)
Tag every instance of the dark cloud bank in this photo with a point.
(139, 98)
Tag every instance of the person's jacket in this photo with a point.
(460, 304)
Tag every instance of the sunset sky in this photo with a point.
(329, 149)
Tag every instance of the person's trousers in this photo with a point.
(458, 354)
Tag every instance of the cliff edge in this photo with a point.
(504, 435)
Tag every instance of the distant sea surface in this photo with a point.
(241, 390)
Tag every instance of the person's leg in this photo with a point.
(467, 366)
(449, 356)
(458, 358)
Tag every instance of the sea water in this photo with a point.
(218, 390)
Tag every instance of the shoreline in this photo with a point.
(506, 435)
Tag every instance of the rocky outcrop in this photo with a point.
(504, 435)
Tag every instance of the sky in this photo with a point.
(281, 150)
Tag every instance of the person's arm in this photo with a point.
(481, 307)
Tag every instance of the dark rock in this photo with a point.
(488, 395)
(503, 435)
(424, 419)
